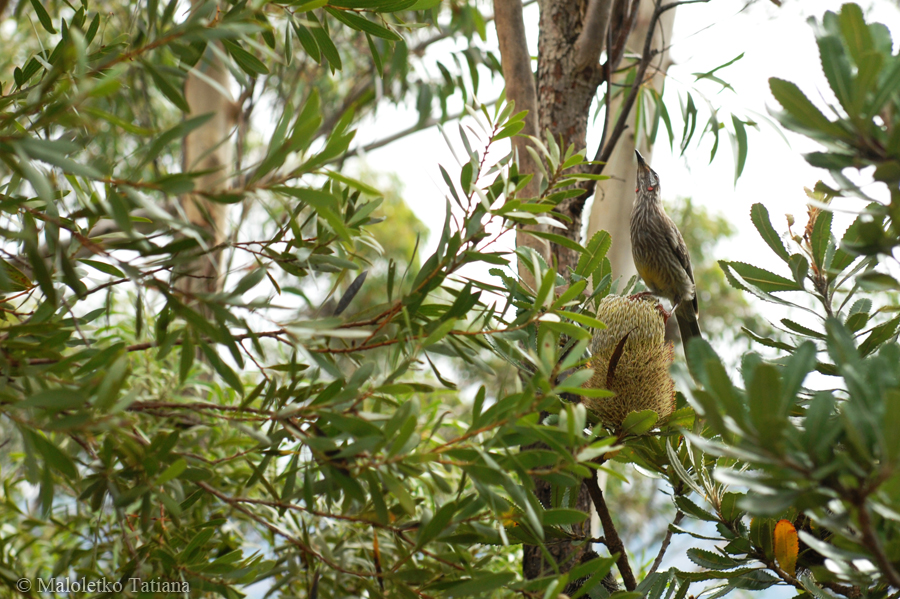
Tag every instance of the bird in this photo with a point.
(660, 254)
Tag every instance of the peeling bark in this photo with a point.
(565, 93)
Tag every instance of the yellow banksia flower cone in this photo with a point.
(631, 357)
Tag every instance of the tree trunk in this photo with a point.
(567, 81)
(613, 198)
(565, 93)
(516, 64)
(207, 148)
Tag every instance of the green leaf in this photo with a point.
(54, 399)
(692, 509)
(879, 336)
(329, 50)
(169, 90)
(557, 239)
(54, 152)
(563, 516)
(638, 423)
(307, 40)
(247, 61)
(876, 281)
(42, 16)
(821, 237)
(763, 279)
(740, 135)
(711, 560)
(324, 203)
(584, 319)
(359, 23)
(103, 267)
(759, 214)
(766, 403)
(855, 32)
(762, 532)
(729, 506)
(869, 67)
(52, 454)
(802, 330)
(172, 472)
(288, 47)
(509, 130)
(891, 83)
(836, 68)
(802, 110)
(437, 524)
(799, 268)
(12, 279)
(200, 539)
(224, 370)
(593, 255)
(480, 585)
(439, 333)
(175, 133)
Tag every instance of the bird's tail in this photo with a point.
(688, 325)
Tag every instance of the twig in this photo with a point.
(613, 541)
(605, 151)
(665, 544)
(427, 123)
(151, 344)
(230, 501)
(360, 90)
(607, 76)
(771, 565)
(871, 542)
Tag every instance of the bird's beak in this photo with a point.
(643, 171)
(642, 164)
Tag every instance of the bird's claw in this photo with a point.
(666, 315)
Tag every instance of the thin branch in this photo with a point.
(665, 544)
(426, 124)
(589, 44)
(151, 344)
(237, 505)
(607, 76)
(771, 565)
(613, 541)
(365, 79)
(605, 151)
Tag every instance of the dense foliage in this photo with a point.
(300, 430)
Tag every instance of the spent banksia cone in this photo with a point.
(631, 357)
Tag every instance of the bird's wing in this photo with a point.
(679, 248)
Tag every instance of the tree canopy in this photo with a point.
(229, 364)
